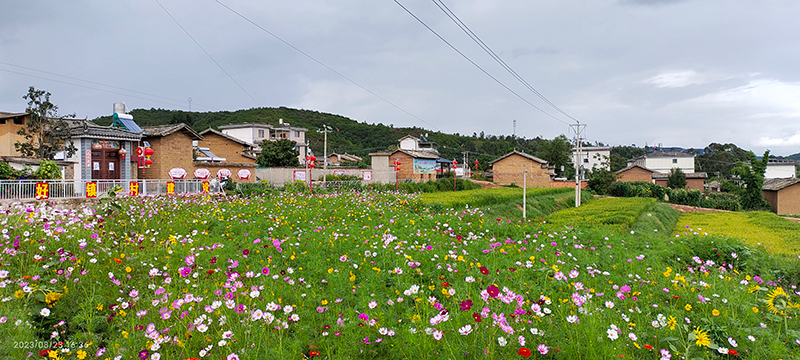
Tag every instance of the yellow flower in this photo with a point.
(671, 322)
(128, 269)
(81, 354)
(715, 312)
(125, 334)
(53, 354)
(432, 287)
(19, 294)
(753, 289)
(324, 302)
(415, 318)
(778, 301)
(668, 272)
(701, 337)
(52, 297)
(688, 307)
(755, 309)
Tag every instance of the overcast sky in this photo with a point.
(681, 73)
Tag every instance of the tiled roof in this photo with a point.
(245, 125)
(164, 130)
(631, 166)
(534, 158)
(419, 154)
(5, 115)
(664, 153)
(83, 128)
(779, 184)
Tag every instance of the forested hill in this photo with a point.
(349, 136)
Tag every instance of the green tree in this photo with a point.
(752, 176)
(279, 153)
(720, 159)
(557, 153)
(48, 170)
(676, 179)
(45, 132)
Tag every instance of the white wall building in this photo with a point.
(663, 161)
(255, 133)
(594, 157)
(780, 169)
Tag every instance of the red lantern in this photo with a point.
(122, 152)
(148, 152)
(148, 162)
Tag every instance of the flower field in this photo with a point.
(369, 275)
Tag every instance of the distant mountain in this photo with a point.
(793, 157)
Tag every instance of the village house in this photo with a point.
(593, 157)
(230, 148)
(255, 133)
(783, 195)
(635, 172)
(418, 159)
(694, 181)
(665, 160)
(508, 169)
(172, 148)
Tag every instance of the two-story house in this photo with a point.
(593, 157)
(255, 133)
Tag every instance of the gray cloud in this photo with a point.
(683, 75)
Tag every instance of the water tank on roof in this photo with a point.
(119, 108)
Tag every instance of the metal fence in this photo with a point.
(72, 189)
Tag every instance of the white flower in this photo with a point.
(572, 319)
(227, 335)
(612, 334)
(502, 341)
(45, 312)
(287, 309)
(751, 338)
(632, 336)
(722, 350)
(732, 342)
(155, 356)
(202, 328)
(465, 330)
(438, 334)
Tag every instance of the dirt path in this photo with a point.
(693, 209)
(485, 184)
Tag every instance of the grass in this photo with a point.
(506, 202)
(777, 235)
(608, 214)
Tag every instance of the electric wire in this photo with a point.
(478, 66)
(324, 65)
(450, 14)
(89, 87)
(207, 54)
(97, 83)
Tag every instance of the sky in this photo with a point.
(680, 73)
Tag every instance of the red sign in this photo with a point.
(177, 173)
(224, 173)
(206, 186)
(134, 188)
(91, 190)
(244, 174)
(170, 187)
(42, 190)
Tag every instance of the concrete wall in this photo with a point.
(281, 176)
(780, 171)
(9, 136)
(509, 170)
(245, 134)
(595, 157)
(665, 164)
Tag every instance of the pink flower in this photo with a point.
(543, 349)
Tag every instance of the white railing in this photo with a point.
(71, 189)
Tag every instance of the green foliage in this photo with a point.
(676, 179)
(45, 132)
(753, 178)
(723, 201)
(344, 177)
(601, 180)
(7, 172)
(48, 170)
(557, 153)
(686, 197)
(720, 159)
(621, 154)
(486, 197)
(776, 234)
(637, 189)
(279, 153)
(658, 218)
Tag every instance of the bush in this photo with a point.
(722, 201)
(48, 170)
(637, 189)
(686, 197)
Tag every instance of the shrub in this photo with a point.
(48, 170)
(686, 197)
(722, 201)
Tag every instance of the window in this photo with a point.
(260, 133)
(674, 161)
(586, 161)
(2, 121)
(297, 134)
(19, 121)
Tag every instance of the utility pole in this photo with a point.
(524, 193)
(579, 128)
(325, 130)
(515, 128)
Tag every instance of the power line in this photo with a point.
(478, 66)
(95, 83)
(207, 54)
(88, 87)
(496, 57)
(323, 65)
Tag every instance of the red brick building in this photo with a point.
(508, 169)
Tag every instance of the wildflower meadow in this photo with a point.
(378, 275)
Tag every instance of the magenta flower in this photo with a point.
(185, 271)
(265, 271)
(493, 290)
(143, 354)
(466, 305)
